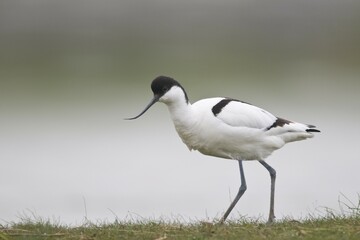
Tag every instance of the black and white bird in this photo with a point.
(228, 128)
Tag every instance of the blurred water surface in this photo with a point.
(71, 71)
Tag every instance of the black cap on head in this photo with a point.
(162, 84)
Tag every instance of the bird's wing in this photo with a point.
(241, 114)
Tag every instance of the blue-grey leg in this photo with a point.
(241, 191)
(272, 193)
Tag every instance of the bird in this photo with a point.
(228, 128)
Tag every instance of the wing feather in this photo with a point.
(241, 114)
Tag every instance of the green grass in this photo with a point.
(324, 228)
(332, 225)
(338, 228)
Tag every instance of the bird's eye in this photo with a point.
(164, 89)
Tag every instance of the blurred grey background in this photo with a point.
(70, 71)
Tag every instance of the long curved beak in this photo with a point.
(152, 102)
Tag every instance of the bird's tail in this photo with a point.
(295, 131)
(312, 128)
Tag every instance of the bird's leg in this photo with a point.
(242, 189)
(272, 194)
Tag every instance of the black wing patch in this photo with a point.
(279, 123)
(217, 108)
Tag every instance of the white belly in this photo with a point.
(224, 141)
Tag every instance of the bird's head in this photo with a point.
(166, 90)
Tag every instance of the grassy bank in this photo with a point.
(324, 228)
(342, 224)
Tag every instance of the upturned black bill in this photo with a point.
(152, 102)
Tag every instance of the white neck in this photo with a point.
(183, 118)
(180, 110)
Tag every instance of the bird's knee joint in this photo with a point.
(272, 172)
